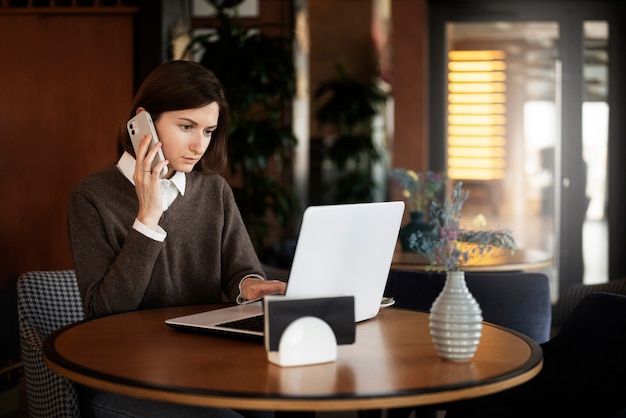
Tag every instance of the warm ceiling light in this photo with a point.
(476, 130)
(486, 163)
(477, 66)
(476, 152)
(476, 115)
(476, 109)
(477, 98)
(476, 87)
(471, 120)
(473, 141)
(476, 55)
(480, 174)
(476, 77)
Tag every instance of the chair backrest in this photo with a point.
(46, 301)
(516, 300)
(584, 363)
(583, 373)
(573, 295)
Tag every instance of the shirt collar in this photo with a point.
(126, 165)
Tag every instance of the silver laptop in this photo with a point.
(342, 250)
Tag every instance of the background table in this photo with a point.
(496, 260)
(392, 364)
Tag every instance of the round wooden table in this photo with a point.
(392, 364)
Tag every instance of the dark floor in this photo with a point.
(13, 401)
(13, 405)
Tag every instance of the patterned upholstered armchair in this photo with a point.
(46, 301)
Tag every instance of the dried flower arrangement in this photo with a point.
(444, 246)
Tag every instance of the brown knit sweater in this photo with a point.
(206, 253)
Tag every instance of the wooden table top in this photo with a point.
(496, 260)
(393, 363)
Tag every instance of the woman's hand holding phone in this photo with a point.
(148, 183)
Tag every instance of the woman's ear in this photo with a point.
(139, 110)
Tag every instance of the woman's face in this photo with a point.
(185, 135)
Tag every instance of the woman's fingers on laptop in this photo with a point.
(253, 288)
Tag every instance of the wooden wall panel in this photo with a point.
(66, 82)
(410, 84)
(340, 34)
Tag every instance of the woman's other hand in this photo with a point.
(253, 288)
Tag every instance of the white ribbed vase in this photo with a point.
(456, 320)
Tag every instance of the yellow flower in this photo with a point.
(479, 221)
(413, 174)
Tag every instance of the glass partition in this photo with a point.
(595, 139)
(503, 133)
(503, 124)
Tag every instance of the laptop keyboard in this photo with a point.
(253, 323)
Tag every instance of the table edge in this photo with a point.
(129, 387)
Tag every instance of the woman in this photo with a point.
(139, 241)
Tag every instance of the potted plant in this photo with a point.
(258, 76)
(347, 109)
(418, 190)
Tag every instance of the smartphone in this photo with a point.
(139, 126)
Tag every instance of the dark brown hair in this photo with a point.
(179, 85)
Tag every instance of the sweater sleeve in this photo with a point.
(239, 258)
(113, 261)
